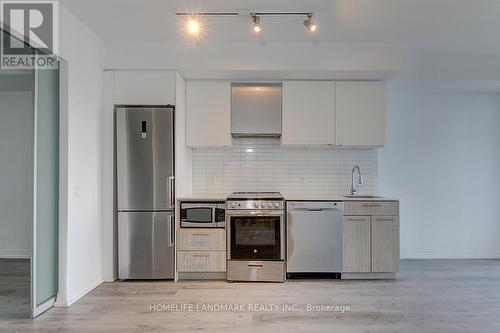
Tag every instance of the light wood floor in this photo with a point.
(428, 296)
(14, 289)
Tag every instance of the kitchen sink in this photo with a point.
(361, 196)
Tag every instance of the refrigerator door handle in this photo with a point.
(171, 190)
(172, 231)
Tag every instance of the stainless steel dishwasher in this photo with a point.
(314, 239)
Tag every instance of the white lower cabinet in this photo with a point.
(201, 250)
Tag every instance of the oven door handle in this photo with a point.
(228, 239)
(266, 215)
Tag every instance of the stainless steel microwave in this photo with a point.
(203, 215)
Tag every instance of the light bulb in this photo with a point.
(193, 26)
(256, 28)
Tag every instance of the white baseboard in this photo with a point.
(79, 294)
(446, 254)
(11, 254)
(44, 307)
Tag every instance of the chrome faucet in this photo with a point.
(354, 187)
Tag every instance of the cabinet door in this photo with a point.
(208, 106)
(385, 244)
(308, 113)
(360, 113)
(145, 87)
(357, 244)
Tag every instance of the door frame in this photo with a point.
(61, 299)
(35, 309)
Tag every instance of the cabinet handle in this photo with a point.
(356, 220)
(172, 231)
(171, 190)
(370, 205)
(255, 266)
(200, 255)
(200, 235)
(385, 220)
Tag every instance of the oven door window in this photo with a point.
(197, 215)
(255, 237)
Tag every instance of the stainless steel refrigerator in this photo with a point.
(145, 191)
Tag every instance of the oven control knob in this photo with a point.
(254, 250)
(277, 204)
(263, 205)
(233, 204)
(255, 204)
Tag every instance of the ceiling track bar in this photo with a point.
(208, 14)
(281, 13)
(239, 14)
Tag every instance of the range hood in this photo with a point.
(256, 110)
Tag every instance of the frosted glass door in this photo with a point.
(46, 194)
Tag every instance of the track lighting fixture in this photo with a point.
(310, 25)
(256, 23)
(193, 25)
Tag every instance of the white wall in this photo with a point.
(183, 155)
(84, 53)
(261, 60)
(442, 160)
(16, 175)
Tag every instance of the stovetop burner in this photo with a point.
(256, 196)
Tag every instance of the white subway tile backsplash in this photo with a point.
(265, 165)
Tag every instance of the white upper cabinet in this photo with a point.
(145, 87)
(208, 118)
(360, 113)
(308, 113)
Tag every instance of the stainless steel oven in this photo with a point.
(255, 239)
(203, 215)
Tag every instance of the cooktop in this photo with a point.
(255, 196)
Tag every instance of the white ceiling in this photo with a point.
(466, 26)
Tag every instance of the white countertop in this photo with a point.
(221, 197)
(333, 198)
